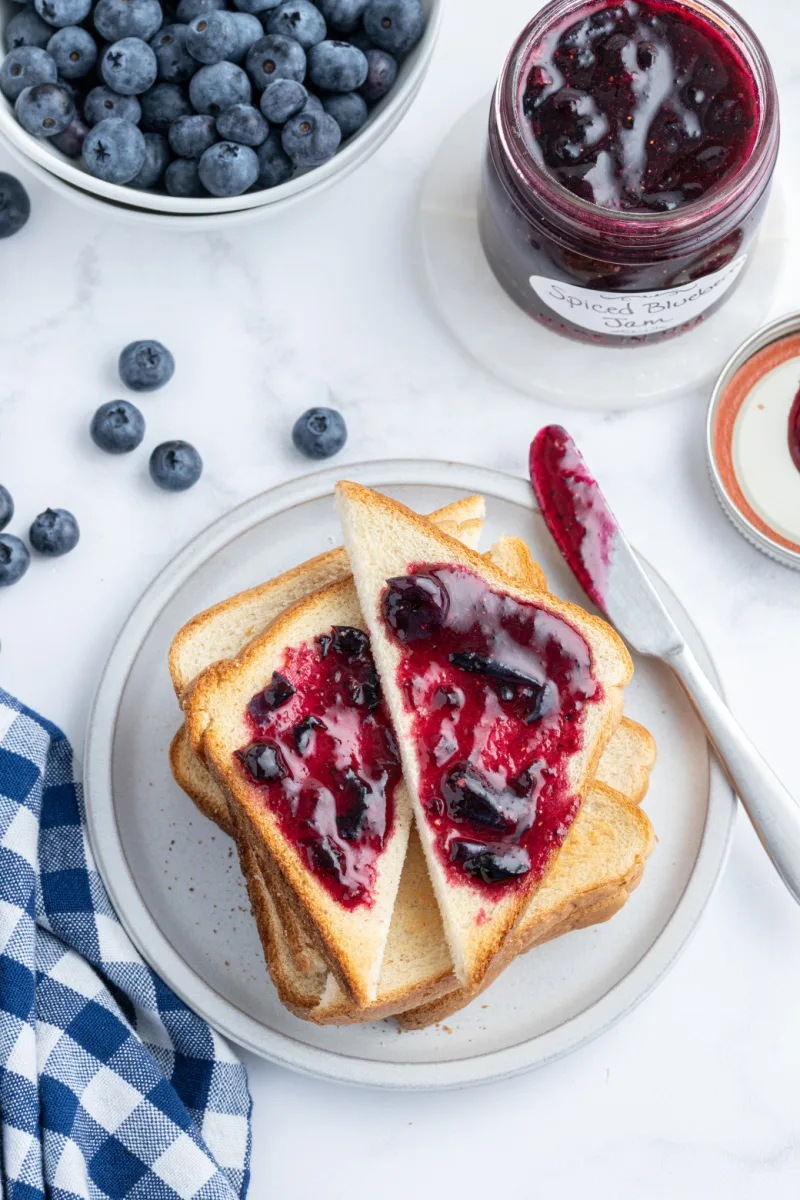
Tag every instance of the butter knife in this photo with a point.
(596, 550)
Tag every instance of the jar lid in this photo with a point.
(748, 440)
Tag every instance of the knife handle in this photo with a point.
(774, 813)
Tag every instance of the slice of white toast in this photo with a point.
(384, 540)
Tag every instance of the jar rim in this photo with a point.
(623, 225)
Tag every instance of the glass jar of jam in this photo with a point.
(630, 154)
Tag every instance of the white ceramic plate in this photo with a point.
(174, 877)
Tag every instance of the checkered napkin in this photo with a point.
(110, 1086)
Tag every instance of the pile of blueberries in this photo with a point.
(199, 98)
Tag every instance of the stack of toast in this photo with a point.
(407, 906)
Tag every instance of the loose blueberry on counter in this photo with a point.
(156, 160)
(54, 532)
(414, 606)
(274, 165)
(129, 67)
(175, 466)
(275, 57)
(161, 105)
(117, 19)
(27, 28)
(381, 75)
(14, 559)
(117, 427)
(182, 179)
(394, 25)
(298, 19)
(217, 88)
(342, 15)
(311, 138)
(73, 50)
(101, 104)
(228, 169)
(282, 99)
(6, 507)
(146, 366)
(243, 124)
(24, 68)
(70, 142)
(191, 136)
(44, 110)
(337, 66)
(114, 150)
(319, 433)
(213, 37)
(348, 109)
(63, 12)
(15, 205)
(175, 63)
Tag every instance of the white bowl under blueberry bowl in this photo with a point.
(68, 177)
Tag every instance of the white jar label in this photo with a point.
(632, 314)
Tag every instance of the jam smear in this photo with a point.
(324, 758)
(641, 106)
(497, 689)
(794, 431)
(575, 509)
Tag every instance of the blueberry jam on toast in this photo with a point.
(324, 755)
(497, 689)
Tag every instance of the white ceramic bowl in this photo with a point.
(383, 119)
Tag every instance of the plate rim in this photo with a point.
(222, 1014)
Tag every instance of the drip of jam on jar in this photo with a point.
(575, 509)
(497, 690)
(643, 105)
(794, 431)
(324, 758)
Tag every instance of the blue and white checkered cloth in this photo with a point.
(110, 1086)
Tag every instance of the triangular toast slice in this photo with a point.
(545, 705)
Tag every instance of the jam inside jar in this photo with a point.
(631, 149)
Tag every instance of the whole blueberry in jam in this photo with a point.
(415, 605)
(264, 761)
(494, 863)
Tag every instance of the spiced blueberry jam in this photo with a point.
(497, 689)
(323, 755)
(631, 149)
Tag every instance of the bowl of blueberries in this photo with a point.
(195, 108)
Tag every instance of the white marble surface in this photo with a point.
(695, 1094)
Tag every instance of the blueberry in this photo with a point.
(129, 67)
(63, 12)
(228, 169)
(248, 31)
(217, 88)
(175, 63)
(213, 37)
(337, 66)
(264, 761)
(348, 109)
(54, 532)
(74, 51)
(394, 25)
(187, 10)
(313, 104)
(319, 433)
(414, 606)
(157, 157)
(343, 15)
(44, 110)
(494, 863)
(381, 74)
(146, 366)
(469, 796)
(27, 28)
(114, 150)
(282, 99)
(14, 559)
(278, 692)
(275, 57)
(310, 138)
(182, 178)
(175, 466)
(360, 39)
(118, 19)
(15, 207)
(161, 105)
(274, 165)
(101, 104)
(25, 67)
(6, 507)
(191, 136)
(243, 124)
(117, 427)
(256, 6)
(70, 142)
(298, 19)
